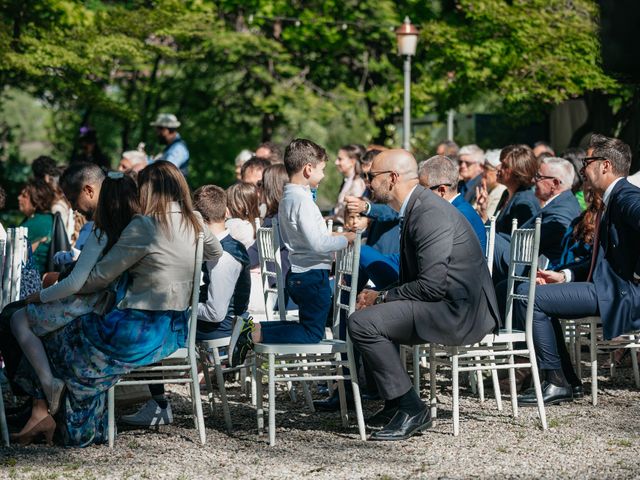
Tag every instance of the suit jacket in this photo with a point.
(617, 261)
(522, 206)
(468, 189)
(160, 264)
(473, 218)
(556, 218)
(443, 271)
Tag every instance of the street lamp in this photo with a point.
(407, 37)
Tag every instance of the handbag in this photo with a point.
(30, 281)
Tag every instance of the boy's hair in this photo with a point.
(254, 163)
(44, 165)
(211, 202)
(300, 152)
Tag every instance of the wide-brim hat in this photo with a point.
(167, 120)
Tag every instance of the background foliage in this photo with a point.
(239, 72)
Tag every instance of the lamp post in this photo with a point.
(407, 37)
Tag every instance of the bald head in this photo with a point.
(399, 161)
(393, 174)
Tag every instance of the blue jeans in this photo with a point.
(312, 292)
(383, 270)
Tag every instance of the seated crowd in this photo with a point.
(115, 249)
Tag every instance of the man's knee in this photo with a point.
(358, 324)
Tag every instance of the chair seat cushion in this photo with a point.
(325, 346)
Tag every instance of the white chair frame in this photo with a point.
(15, 253)
(310, 362)
(179, 367)
(496, 352)
(4, 430)
(588, 330)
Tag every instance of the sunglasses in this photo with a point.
(435, 187)
(586, 161)
(537, 177)
(371, 175)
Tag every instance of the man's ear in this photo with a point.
(227, 213)
(90, 190)
(442, 190)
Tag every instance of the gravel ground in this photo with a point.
(582, 442)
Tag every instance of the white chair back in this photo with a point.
(491, 243)
(346, 281)
(15, 254)
(268, 243)
(195, 295)
(525, 244)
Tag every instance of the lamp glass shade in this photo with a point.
(407, 44)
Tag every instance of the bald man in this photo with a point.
(445, 294)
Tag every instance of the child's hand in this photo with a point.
(350, 236)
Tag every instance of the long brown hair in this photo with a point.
(274, 178)
(522, 163)
(161, 183)
(585, 229)
(117, 204)
(242, 202)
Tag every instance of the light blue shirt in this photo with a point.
(177, 153)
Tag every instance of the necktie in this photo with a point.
(596, 244)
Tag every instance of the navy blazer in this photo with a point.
(383, 233)
(468, 189)
(556, 218)
(524, 205)
(617, 261)
(474, 219)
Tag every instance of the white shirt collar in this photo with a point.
(552, 199)
(405, 203)
(453, 199)
(607, 192)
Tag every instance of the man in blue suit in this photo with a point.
(440, 175)
(559, 207)
(605, 285)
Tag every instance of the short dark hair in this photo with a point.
(78, 175)
(254, 163)
(547, 146)
(451, 149)
(370, 155)
(40, 193)
(276, 152)
(44, 165)
(3, 197)
(614, 150)
(300, 152)
(211, 202)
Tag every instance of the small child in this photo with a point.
(227, 280)
(311, 247)
(243, 205)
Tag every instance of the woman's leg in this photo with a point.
(32, 348)
(38, 412)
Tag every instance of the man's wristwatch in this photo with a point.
(381, 297)
(367, 208)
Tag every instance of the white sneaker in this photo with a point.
(150, 415)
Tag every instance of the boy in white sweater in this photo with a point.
(311, 247)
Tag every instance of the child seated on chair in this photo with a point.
(227, 280)
(311, 247)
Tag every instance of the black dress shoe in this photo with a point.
(381, 418)
(551, 395)
(578, 391)
(332, 404)
(403, 426)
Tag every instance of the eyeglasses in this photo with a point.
(435, 187)
(586, 161)
(466, 162)
(371, 175)
(537, 177)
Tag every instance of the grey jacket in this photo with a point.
(160, 266)
(444, 273)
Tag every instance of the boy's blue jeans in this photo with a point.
(312, 292)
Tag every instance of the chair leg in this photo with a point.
(456, 392)
(197, 401)
(254, 385)
(593, 357)
(217, 363)
(512, 383)
(110, 416)
(307, 391)
(432, 381)
(272, 399)
(341, 393)
(416, 368)
(634, 364)
(356, 390)
(257, 381)
(207, 379)
(537, 386)
(3, 422)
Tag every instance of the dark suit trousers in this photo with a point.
(564, 300)
(375, 331)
